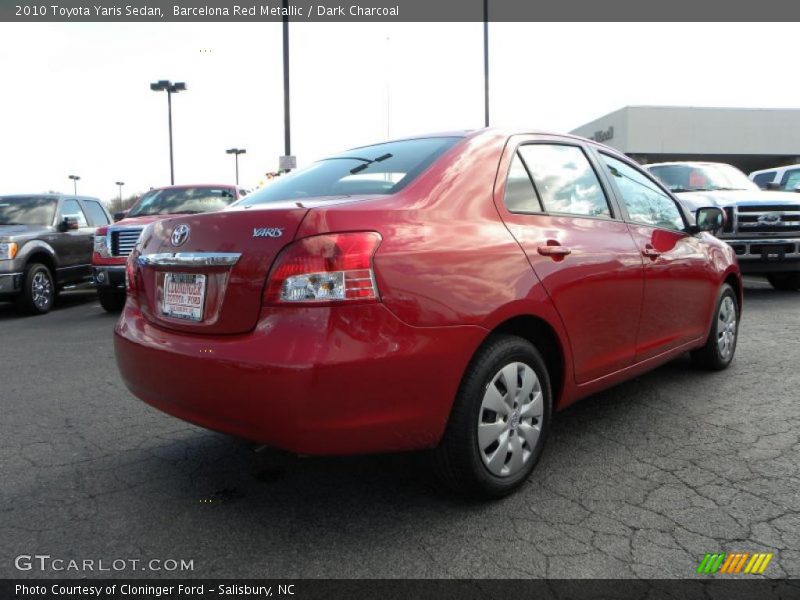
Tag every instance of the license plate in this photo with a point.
(184, 295)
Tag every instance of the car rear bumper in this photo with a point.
(343, 380)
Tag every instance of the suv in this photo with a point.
(444, 292)
(763, 227)
(113, 244)
(785, 179)
(45, 245)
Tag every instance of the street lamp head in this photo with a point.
(179, 86)
(235, 151)
(74, 177)
(160, 85)
(120, 182)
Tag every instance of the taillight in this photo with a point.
(131, 281)
(325, 269)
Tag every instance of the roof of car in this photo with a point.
(192, 185)
(688, 163)
(54, 196)
(774, 169)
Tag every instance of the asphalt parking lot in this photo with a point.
(639, 481)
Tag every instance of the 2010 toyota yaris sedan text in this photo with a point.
(445, 292)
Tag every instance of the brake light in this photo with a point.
(131, 281)
(324, 269)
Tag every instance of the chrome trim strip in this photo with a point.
(190, 259)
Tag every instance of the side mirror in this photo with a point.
(709, 218)
(68, 224)
(118, 216)
(774, 186)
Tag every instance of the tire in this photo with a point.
(720, 347)
(111, 300)
(788, 282)
(472, 464)
(38, 290)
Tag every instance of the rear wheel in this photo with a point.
(720, 347)
(38, 290)
(499, 421)
(789, 282)
(111, 300)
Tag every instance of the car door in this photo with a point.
(679, 283)
(558, 210)
(74, 248)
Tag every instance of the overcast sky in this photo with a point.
(76, 100)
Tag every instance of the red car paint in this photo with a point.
(453, 265)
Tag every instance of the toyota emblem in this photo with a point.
(179, 235)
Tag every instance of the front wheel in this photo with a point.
(720, 347)
(38, 290)
(788, 282)
(111, 300)
(499, 421)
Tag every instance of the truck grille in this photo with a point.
(124, 240)
(766, 219)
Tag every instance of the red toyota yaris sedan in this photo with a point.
(445, 292)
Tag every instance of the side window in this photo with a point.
(791, 180)
(762, 179)
(565, 180)
(645, 202)
(96, 213)
(520, 195)
(71, 208)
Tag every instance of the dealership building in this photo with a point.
(749, 138)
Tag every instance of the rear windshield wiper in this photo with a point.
(361, 167)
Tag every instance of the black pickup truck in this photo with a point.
(46, 243)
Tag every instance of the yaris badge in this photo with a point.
(272, 232)
(179, 235)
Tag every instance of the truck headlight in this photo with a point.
(101, 246)
(8, 250)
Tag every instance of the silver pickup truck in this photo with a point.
(46, 243)
(763, 227)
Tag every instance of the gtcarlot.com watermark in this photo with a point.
(47, 563)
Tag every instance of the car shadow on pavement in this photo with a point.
(64, 301)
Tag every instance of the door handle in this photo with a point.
(554, 250)
(651, 252)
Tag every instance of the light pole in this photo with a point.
(236, 152)
(74, 183)
(120, 184)
(287, 135)
(164, 85)
(485, 63)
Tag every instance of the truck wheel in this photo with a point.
(789, 282)
(38, 290)
(111, 300)
(499, 421)
(720, 347)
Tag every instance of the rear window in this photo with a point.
(379, 169)
(27, 210)
(184, 201)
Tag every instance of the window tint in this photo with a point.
(565, 180)
(762, 179)
(183, 200)
(72, 209)
(520, 196)
(96, 213)
(791, 179)
(27, 210)
(379, 169)
(645, 202)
